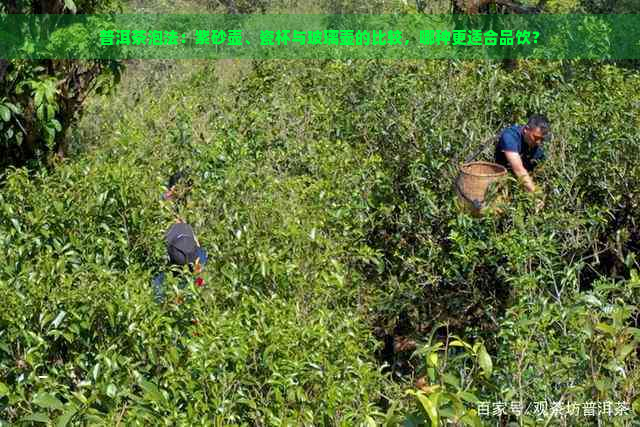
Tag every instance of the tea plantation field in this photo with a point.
(344, 286)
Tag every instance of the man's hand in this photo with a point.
(521, 172)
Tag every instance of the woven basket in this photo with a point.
(473, 181)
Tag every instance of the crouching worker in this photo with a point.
(519, 149)
(183, 249)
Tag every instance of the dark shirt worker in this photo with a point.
(520, 148)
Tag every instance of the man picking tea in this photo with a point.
(519, 148)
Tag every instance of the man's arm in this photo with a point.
(518, 168)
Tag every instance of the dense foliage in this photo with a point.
(323, 191)
(345, 286)
(493, 277)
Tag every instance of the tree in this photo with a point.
(41, 99)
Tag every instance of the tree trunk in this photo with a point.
(4, 65)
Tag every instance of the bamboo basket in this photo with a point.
(473, 181)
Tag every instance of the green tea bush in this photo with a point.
(426, 262)
(271, 338)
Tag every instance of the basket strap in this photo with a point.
(483, 147)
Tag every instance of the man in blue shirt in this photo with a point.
(520, 148)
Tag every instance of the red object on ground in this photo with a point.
(199, 281)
